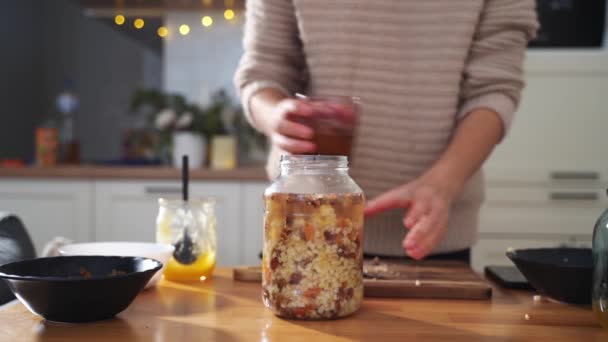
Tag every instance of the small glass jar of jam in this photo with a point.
(195, 249)
(313, 240)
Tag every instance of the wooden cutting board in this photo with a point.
(409, 279)
(423, 279)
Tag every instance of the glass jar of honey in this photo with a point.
(313, 240)
(191, 228)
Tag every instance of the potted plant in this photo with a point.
(223, 144)
(252, 145)
(185, 139)
(185, 128)
(180, 126)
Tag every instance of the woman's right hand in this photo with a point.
(286, 121)
(287, 126)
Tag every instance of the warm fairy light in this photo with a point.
(208, 3)
(184, 29)
(203, 278)
(119, 19)
(207, 21)
(162, 31)
(229, 3)
(229, 14)
(138, 23)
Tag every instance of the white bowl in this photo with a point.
(157, 251)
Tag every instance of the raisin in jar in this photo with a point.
(313, 240)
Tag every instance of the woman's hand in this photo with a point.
(286, 121)
(428, 203)
(288, 128)
(428, 198)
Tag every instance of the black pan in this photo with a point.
(563, 274)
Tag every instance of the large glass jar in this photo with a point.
(599, 294)
(191, 228)
(313, 240)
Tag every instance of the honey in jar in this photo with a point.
(201, 242)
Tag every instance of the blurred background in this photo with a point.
(92, 90)
(105, 54)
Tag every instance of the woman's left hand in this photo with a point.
(428, 204)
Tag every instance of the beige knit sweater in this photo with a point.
(418, 65)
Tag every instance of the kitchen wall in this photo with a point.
(51, 41)
(203, 61)
(106, 67)
(20, 68)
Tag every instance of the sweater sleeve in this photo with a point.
(273, 56)
(493, 74)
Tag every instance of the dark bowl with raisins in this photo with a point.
(78, 289)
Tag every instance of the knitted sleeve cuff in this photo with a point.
(501, 104)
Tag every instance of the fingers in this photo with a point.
(415, 212)
(296, 108)
(416, 243)
(292, 145)
(295, 130)
(396, 198)
(289, 134)
(425, 234)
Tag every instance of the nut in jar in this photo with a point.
(313, 256)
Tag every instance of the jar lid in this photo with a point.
(312, 159)
(313, 163)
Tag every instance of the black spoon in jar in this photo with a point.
(186, 250)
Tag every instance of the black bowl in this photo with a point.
(78, 288)
(563, 274)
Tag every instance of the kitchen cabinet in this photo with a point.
(126, 211)
(519, 212)
(50, 208)
(529, 215)
(561, 120)
(553, 211)
(253, 218)
(546, 181)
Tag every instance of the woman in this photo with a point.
(439, 81)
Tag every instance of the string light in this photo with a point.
(184, 29)
(229, 14)
(207, 21)
(208, 3)
(138, 23)
(162, 31)
(229, 3)
(119, 19)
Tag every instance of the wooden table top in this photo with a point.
(221, 309)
